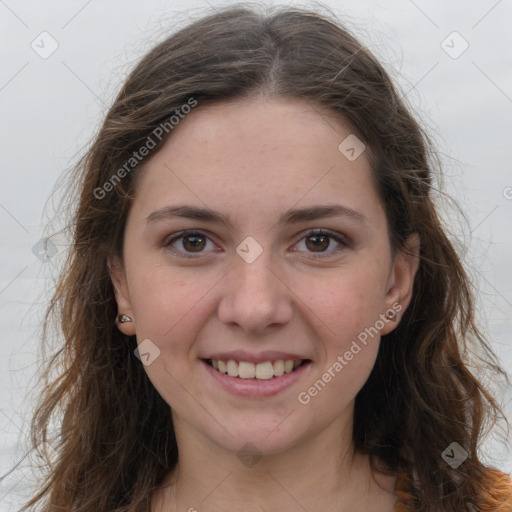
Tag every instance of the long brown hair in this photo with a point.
(115, 441)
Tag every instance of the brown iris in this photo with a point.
(323, 244)
(198, 242)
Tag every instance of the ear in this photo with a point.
(119, 282)
(400, 285)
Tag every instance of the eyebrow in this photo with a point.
(292, 216)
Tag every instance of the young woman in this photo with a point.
(261, 309)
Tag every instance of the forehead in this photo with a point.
(260, 152)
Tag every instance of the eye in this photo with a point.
(192, 242)
(187, 243)
(318, 240)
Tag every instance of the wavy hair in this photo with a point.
(115, 439)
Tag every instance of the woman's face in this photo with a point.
(220, 264)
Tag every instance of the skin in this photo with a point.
(290, 299)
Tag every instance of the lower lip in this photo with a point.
(251, 388)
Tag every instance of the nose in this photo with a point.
(255, 297)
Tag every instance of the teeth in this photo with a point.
(288, 366)
(278, 368)
(232, 368)
(246, 370)
(262, 371)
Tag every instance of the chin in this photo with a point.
(257, 438)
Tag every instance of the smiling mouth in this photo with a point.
(262, 371)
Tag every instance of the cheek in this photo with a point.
(349, 307)
(170, 311)
(348, 340)
(346, 302)
(164, 302)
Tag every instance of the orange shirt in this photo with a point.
(499, 496)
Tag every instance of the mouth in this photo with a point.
(267, 370)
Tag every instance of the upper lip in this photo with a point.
(261, 357)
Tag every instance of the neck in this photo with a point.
(311, 475)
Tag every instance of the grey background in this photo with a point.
(50, 107)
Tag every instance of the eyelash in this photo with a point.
(310, 233)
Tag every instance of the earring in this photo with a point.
(123, 319)
(390, 314)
